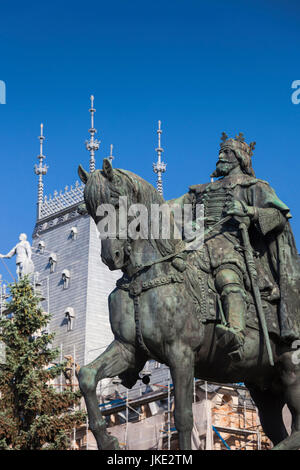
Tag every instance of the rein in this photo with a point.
(173, 255)
(135, 287)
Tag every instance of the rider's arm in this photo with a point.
(267, 211)
(269, 219)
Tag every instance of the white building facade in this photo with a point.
(74, 281)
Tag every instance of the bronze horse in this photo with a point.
(153, 315)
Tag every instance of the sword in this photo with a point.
(256, 293)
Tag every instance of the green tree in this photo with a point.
(33, 413)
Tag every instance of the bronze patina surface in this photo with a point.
(228, 312)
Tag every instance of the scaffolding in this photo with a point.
(235, 420)
(225, 417)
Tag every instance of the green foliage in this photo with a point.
(33, 414)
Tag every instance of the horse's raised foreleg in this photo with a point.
(115, 360)
(182, 371)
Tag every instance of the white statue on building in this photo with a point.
(22, 250)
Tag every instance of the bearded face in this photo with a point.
(226, 163)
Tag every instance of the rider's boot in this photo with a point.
(231, 336)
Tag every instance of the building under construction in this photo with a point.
(225, 417)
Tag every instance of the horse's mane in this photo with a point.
(100, 189)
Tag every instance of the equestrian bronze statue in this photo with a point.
(228, 311)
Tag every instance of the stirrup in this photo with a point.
(228, 339)
(237, 355)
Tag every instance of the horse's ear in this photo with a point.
(83, 175)
(108, 169)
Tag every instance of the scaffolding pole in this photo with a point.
(60, 379)
(169, 410)
(87, 433)
(127, 413)
(74, 408)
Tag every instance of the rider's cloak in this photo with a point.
(272, 240)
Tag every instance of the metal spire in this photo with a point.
(111, 157)
(159, 167)
(93, 144)
(40, 170)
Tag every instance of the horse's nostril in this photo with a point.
(117, 254)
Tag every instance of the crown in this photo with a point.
(237, 143)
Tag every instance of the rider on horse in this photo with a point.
(240, 194)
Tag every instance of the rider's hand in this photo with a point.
(240, 211)
(235, 208)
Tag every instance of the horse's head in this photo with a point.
(105, 192)
(102, 188)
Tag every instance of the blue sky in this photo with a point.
(200, 67)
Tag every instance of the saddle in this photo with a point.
(208, 304)
(200, 285)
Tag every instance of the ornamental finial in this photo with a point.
(92, 144)
(240, 137)
(252, 147)
(111, 157)
(40, 170)
(159, 167)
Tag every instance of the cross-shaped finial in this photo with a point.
(252, 147)
(224, 137)
(240, 137)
